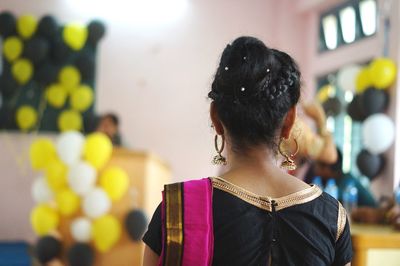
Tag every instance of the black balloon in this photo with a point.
(47, 27)
(7, 24)
(375, 101)
(332, 106)
(136, 224)
(369, 164)
(60, 52)
(356, 110)
(47, 248)
(46, 74)
(36, 49)
(80, 254)
(86, 66)
(96, 30)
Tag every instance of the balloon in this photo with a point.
(36, 49)
(46, 74)
(7, 24)
(75, 35)
(67, 202)
(81, 178)
(325, 92)
(96, 31)
(81, 229)
(12, 48)
(26, 117)
(70, 147)
(56, 95)
(346, 78)
(41, 152)
(115, 182)
(378, 133)
(47, 248)
(363, 80)
(56, 174)
(47, 27)
(80, 254)
(22, 70)
(97, 150)
(69, 77)
(369, 164)
(356, 109)
(332, 106)
(86, 66)
(44, 219)
(136, 224)
(26, 26)
(81, 98)
(106, 232)
(41, 192)
(69, 120)
(96, 203)
(60, 52)
(382, 72)
(375, 101)
(8, 85)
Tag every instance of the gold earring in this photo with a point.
(288, 163)
(219, 159)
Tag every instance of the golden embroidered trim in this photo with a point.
(296, 198)
(341, 222)
(174, 224)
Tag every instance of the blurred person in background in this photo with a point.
(109, 124)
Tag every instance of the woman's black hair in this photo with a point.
(253, 90)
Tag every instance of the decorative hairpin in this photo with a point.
(226, 68)
(242, 89)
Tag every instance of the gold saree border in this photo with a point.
(174, 224)
(341, 221)
(300, 197)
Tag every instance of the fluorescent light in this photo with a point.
(329, 25)
(348, 24)
(368, 16)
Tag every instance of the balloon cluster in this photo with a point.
(75, 183)
(45, 60)
(370, 85)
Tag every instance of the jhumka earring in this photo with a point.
(219, 159)
(288, 163)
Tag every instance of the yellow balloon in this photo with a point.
(26, 117)
(41, 152)
(70, 120)
(97, 150)
(12, 48)
(115, 182)
(56, 174)
(325, 93)
(106, 232)
(67, 202)
(44, 219)
(75, 35)
(69, 77)
(22, 70)
(382, 72)
(56, 95)
(26, 26)
(363, 80)
(81, 98)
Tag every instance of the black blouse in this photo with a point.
(305, 228)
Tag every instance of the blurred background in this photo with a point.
(102, 102)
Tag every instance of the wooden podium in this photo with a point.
(147, 175)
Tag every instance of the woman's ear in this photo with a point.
(219, 129)
(288, 123)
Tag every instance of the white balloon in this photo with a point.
(378, 133)
(40, 190)
(70, 146)
(346, 78)
(81, 178)
(96, 203)
(81, 229)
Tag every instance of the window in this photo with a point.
(350, 22)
